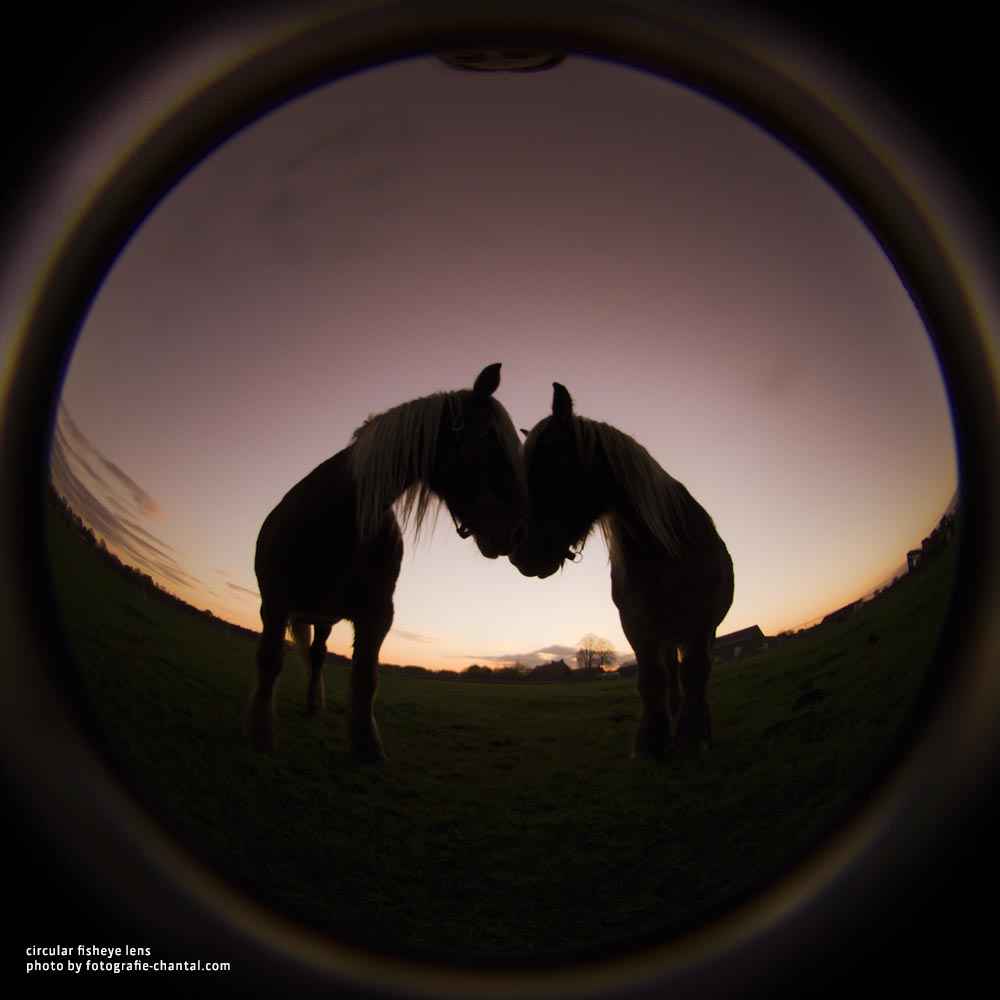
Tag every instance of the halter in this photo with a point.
(457, 419)
(573, 553)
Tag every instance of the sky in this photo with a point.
(679, 270)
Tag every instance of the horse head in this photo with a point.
(564, 502)
(478, 468)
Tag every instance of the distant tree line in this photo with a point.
(551, 672)
(593, 657)
(935, 543)
(150, 588)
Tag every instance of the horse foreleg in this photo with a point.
(652, 735)
(362, 732)
(316, 698)
(270, 658)
(694, 726)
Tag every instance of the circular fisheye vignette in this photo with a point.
(659, 44)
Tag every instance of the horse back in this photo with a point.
(676, 594)
(310, 555)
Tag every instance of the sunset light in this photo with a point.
(682, 273)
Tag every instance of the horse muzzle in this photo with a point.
(532, 564)
(494, 540)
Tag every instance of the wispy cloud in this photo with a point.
(142, 499)
(83, 450)
(414, 636)
(533, 659)
(336, 193)
(112, 504)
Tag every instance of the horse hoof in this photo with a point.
(368, 753)
(261, 736)
(262, 744)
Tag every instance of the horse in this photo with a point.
(671, 573)
(332, 548)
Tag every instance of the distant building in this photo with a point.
(934, 543)
(736, 645)
(551, 672)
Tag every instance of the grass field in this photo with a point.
(509, 821)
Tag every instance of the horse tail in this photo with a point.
(301, 633)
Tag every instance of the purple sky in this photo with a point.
(683, 274)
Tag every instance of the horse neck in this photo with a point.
(642, 501)
(609, 495)
(391, 488)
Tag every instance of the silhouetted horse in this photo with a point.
(671, 574)
(332, 548)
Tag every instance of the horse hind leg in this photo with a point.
(652, 734)
(270, 658)
(694, 724)
(315, 658)
(362, 731)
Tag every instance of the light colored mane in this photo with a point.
(393, 456)
(657, 500)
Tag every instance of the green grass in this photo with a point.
(509, 821)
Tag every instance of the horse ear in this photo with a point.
(562, 402)
(488, 380)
